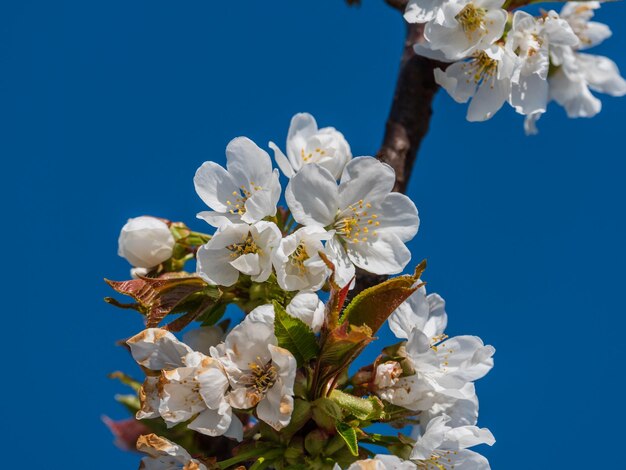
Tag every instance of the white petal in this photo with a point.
(365, 179)
(247, 163)
(309, 308)
(468, 436)
(215, 186)
(213, 383)
(212, 422)
(433, 437)
(573, 94)
(385, 254)
(247, 264)
(312, 196)
(469, 460)
(489, 98)
(398, 215)
(602, 74)
(457, 81)
(530, 95)
(218, 219)
(235, 431)
(302, 127)
(421, 11)
(157, 349)
(412, 313)
(262, 203)
(282, 161)
(344, 268)
(213, 265)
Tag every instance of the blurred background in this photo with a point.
(106, 111)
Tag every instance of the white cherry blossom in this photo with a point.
(192, 386)
(575, 74)
(246, 191)
(164, 454)
(461, 28)
(443, 446)
(145, 242)
(485, 78)
(297, 261)
(444, 368)
(238, 249)
(261, 374)
(531, 39)
(578, 15)
(307, 144)
(369, 224)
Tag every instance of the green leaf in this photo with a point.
(348, 433)
(294, 335)
(365, 409)
(373, 306)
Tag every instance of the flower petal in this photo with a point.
(282, 161)
(157, 349)
(398, 215)
(365, 179)
(312, 196)
(248, 164)
(385, 254)
(215, 186)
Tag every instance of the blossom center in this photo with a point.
(312, 155)
(356, 223)
(471, 18)
(262, 378)
(439, 460)
(247, 246)
(299, 256)
(237, 205)
(481, 68)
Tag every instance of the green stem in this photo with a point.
(266, 460)
(248, 455)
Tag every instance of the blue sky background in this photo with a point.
(106, 111)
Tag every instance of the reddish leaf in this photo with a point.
(373, 306)
(337, 297)
(170, 293)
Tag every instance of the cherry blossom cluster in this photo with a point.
(278, 384)
(497, 53)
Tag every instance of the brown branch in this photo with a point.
(398, 4)
(408, 120)
(411, 110)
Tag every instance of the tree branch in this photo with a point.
(398, 4)
(411, 109)
(408, 120)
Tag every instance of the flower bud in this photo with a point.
(145, 242)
